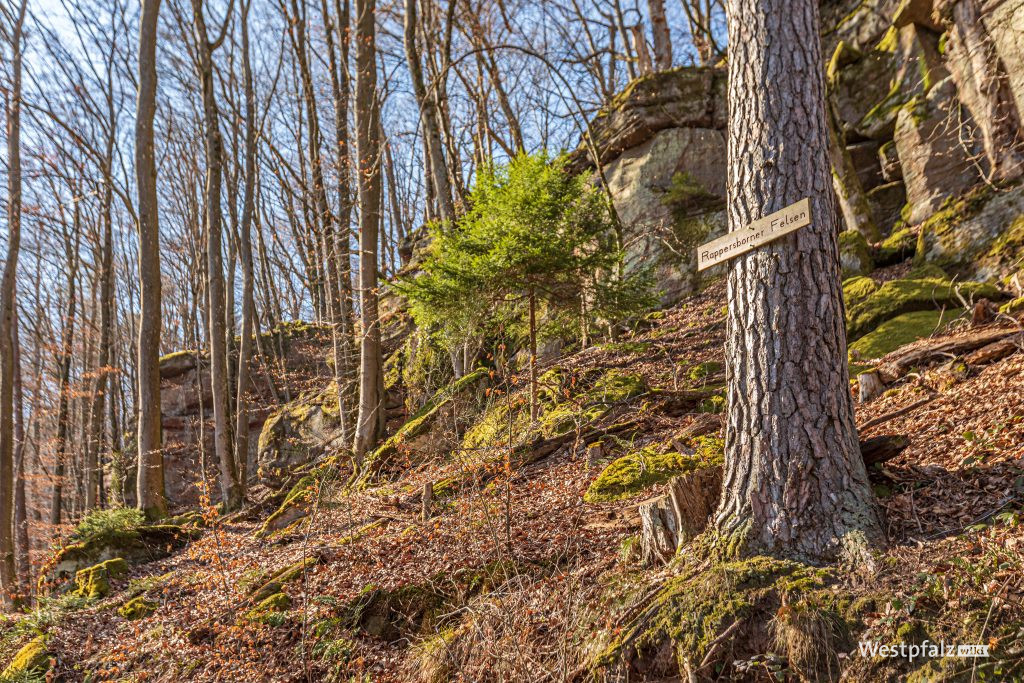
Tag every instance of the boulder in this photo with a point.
(685, 97)
(30, 663)
(934, 162)
(298, 433)
(886, 203)
(854, 254)
(669, 193)
(979, 235)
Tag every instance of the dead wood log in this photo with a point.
(658, 532)
(882, 448)
(896, 364)
(996, 350)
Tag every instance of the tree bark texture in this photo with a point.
(150, 477)
(794, 484)
(231, 491)
(8, 578)
(368, 422)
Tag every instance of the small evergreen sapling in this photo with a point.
(534, 239)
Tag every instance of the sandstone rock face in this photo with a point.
(641, 180)
(981, 236)
(661, 143)
(934, 162)
(298, 433)
(1004, 20)
(299, 350)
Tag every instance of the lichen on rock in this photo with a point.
(94, 582)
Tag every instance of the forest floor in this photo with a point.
(516, 577)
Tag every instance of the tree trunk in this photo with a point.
(245, 252)
(534, 408)
(21, 539)
(428, 115)
(342, 330)
(8, 578)
(231, 491)
(150, 476)
(662, 37)
(794, 483)
(368, 153)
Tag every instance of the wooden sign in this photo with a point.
(763, 230)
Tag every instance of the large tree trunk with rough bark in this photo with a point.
(150, 477)
(231, 491)
(794, 484)
(368, 422)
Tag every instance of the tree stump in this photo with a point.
(668, 521)
(427, 500)
(869, 385)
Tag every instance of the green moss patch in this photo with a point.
(137, 608)
(896, 297)
(30, 663)
(856, 289)
(636, 472)
(901, 330)
(693, 609)
(94, 582)
(898, 246)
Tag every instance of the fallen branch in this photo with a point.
(881, 419)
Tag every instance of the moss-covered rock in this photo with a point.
(901, 330)
(137, 608)
(298, 433)
(856, 289)
(639, 470)
(272, 604)
(697, 605)
(94, 582)
(854, 254)
(30, 663)
(897, 247)
(980, 234)
(896, 297)
(413, 436)
(278, 579)
(1013, 307)
(108, 534)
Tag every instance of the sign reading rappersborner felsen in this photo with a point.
(761, 231)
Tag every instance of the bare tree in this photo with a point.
(150, 475)
(8, 576)
(370, 416)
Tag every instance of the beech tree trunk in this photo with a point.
(368, 422)
(427, 101)
(245, 253)
(8, 577)
(794, 484)
(150, 476)
(231, 491)
(662, 37)
(340, 251)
